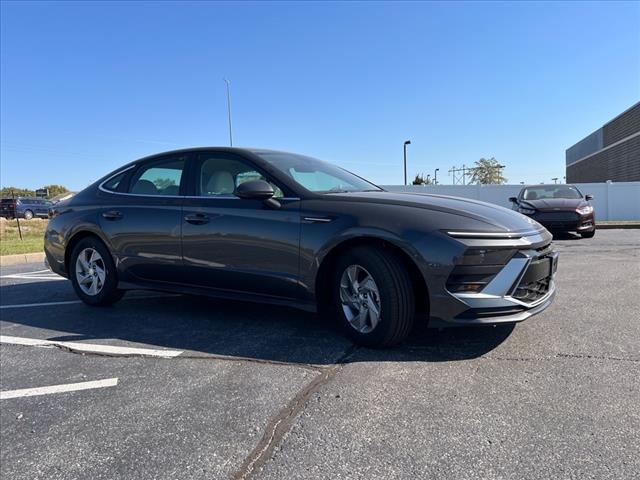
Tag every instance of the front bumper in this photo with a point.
(524, 286)
(569, 221)
(502, 300)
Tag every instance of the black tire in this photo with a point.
(588, 234)
(28, 214)
(109, 292)
(396, 296)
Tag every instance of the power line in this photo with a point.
(460, 174)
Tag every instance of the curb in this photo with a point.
(613, 226)
(7, 260)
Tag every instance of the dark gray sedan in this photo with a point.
(277, 227)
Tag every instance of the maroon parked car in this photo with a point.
(560, 208)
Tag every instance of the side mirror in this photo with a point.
(254, 190)
(588, 197)
(257, 190)
(513, 199)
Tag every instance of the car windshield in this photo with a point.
(315, 175)
(550, 191)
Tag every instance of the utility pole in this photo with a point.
(229, 110)
(435, 176)
(15, 212)
(407, 142)
(456, 177)
(465, 171)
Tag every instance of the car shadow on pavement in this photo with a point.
(202, 326)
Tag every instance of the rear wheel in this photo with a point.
(373, 297)
(28, 214)
(588, 234)
(93, 273)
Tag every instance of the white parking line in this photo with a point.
(71, 302)
(68, 387)
(37, 275)
(44, 304)
(90, 347)
(46, 270)
(20, 276)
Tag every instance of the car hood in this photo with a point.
(556, 203)
(500, 218)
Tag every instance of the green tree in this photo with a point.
(162, 183)
(421, 180)
(487, 171)
(56, 190)
(6, 192)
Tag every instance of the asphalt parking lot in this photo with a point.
(186, 387)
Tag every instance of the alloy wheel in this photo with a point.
(90, 271)
(360, 299)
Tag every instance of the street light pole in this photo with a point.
(435, 176)
(229, 110)
(408, 142)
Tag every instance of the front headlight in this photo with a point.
(526, 211)
(584, 210)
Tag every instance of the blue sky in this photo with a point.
(86, 87)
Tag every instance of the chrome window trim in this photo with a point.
(216, 197)
(119, 172)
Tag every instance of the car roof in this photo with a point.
(213, 148)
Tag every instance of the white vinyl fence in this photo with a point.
(611, 201)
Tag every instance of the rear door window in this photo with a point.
(161, 177)
(113, 183)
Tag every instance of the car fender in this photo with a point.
(310, 278)
(57, 240)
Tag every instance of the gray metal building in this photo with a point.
(610, 153)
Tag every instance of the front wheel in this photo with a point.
(373, 297)
(93, 273)
(588, 234)
(28, 214)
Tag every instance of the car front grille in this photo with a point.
(564, 216)
(532, 291)
(536, 280)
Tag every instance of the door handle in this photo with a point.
(197, 218)
(112, 215)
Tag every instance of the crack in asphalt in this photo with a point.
(281, 424)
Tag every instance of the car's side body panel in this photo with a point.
(242, 245)
(239, 248)
(145, 235)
